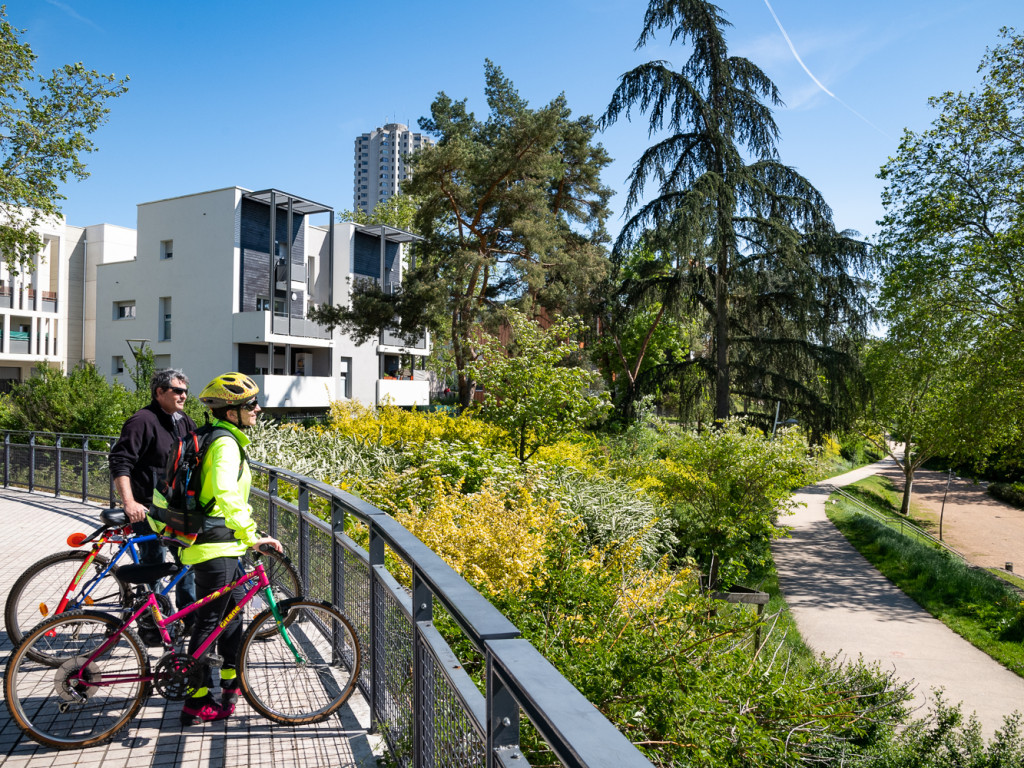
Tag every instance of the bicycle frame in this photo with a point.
(128, 543)
(258, 576)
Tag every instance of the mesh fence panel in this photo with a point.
(46, 469)
(71, 468)
(19, 465)
(394, 688)
(99, 477)
(449, 737)
(319, 586)
(354, 572)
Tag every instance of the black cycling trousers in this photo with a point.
(210, 576)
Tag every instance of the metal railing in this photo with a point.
(430, 711)
(905, 526)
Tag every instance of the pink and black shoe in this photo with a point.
(229, 696)
(205, 710)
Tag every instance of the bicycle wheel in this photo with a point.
(37, 593)
(284, 581)
(305, 690)
(58, 709)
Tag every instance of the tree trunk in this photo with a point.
(722, 384)
(908, 485)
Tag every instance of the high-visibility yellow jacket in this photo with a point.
(226, 480)
(230, 492)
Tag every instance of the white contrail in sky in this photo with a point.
(73, 13)
(810, 74)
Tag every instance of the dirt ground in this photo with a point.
(987, 532)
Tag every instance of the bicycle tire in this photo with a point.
(42, 703)
(284, 581)
(44, 582)
(293, 693)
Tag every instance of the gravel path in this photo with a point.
(842, 604)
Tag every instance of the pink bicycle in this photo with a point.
(80, 677)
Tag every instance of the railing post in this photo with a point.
(271, 507)
(32, 462)
(7, 459)
(304, 536)
(423, 690)
(502, 715)
(56, 471)
(376, 557)
(85, 469)
(337, 555)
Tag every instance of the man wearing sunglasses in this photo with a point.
(138, 457)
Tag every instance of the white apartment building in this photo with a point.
(34, 307)
(380, 163)
(222, 280)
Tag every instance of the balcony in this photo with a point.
(264, 326)
(403, 392)
(295, 391)
(392, 343)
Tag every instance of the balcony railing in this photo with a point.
(429, 710)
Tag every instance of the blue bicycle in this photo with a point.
(86, 579)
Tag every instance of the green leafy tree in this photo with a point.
(511, 209)
(531, 390)
(742, 238)
(953, 232)
(82, 402)
(45, 124)
(952, 241)
(397, 211)
(937, 393)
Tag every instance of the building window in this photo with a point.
(165, 318)
(345, 376)
(118, 366)
(262, 304)
(124, 310)
(166, 249)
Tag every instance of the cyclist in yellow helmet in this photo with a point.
(226, 480)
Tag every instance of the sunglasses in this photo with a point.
(178, 390)
(251, 406)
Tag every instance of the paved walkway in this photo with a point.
(841, 603)
(35, 526)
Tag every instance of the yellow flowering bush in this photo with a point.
(389, 425)
(495, 539)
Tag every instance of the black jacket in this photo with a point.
(141, 450)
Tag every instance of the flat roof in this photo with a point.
(394, 234)
(282, 199)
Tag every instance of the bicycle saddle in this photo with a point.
(114, 518)
(145, 574)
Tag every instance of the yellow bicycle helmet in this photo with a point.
(229, 389)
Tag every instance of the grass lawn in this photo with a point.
(970, 601)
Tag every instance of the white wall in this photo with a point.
(201, 279)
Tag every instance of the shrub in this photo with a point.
(726, 489)
(399, 428)
(81, 402)
(495, 540)
(674, 670)
(1011, 493)
(611, 512)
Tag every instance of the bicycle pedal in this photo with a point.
(214, 660)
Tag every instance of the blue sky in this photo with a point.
(261, 94)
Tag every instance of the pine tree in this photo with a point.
(750, 243)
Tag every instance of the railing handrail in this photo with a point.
(881, 517)
(517, 675)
